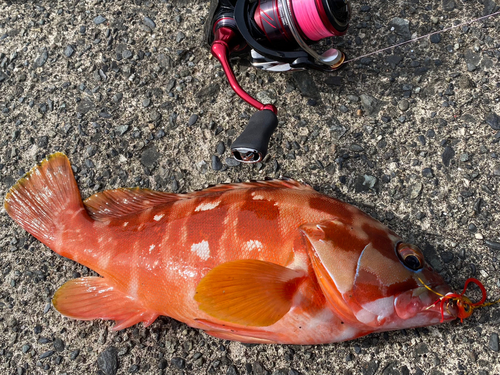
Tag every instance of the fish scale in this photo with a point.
(262, 262)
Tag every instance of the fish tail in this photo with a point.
(45, 197)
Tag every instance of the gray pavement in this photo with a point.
(127, 90)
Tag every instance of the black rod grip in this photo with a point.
(251, 145)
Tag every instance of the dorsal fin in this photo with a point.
(124, 201)
(120, 202)
(278, 183)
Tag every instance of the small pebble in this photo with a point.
(436, 38)
(221, 148)
(162, 364)
(447, 155)
(178, 362)
(192, 119)
(149, 22)
(216, 163)
(427, 172)
(494, 342)
(59, 345)
(127, 54)
(180, 37)
(47, 354)
(108, 361)
(133, 369)
(68, 51)
(493, 120)
(74, 354)
(99, 19)
(496, 170)
(232, 162)
(403, 105)
(492, 244)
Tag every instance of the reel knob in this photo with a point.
(251, 145)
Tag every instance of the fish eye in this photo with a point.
(410, 255)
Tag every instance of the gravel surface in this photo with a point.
(127, 90)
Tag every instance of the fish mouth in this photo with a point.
(425, 305)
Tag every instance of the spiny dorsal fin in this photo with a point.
(120, 202)
(124, 201)
(278, 183)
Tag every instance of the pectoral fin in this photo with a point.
(90, 298)
(248, 292)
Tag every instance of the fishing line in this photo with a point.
(464, 305)
(423, 36)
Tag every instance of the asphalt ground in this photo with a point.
(128, 91)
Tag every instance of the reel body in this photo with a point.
(276, 35)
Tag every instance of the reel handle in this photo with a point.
(251, 145)
(226, 41)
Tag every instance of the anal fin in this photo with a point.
(228, 332)
(89, 298)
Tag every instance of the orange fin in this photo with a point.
(124, 201)
(248, 292)
(240, 338)
(121, 202)
(282, 183)
(90, 298)
(226, 332)
(45, 196)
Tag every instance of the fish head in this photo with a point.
(395, 287)
(373, 279)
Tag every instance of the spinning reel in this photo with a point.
(277, 34)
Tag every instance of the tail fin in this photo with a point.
(43, 197)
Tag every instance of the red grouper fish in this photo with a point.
(257, 262)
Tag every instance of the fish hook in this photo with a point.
(464, 305)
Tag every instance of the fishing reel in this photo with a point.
(277, 35)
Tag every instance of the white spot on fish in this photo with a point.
(158, 217)
(151, 248)
(201, 249)
(364, 316)
(134, 286)
(258, 197)
(382, 307)
(104, 259)
(317, 319)
(207, 206)
(300, 262)
(254, 245)
(125, 223)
